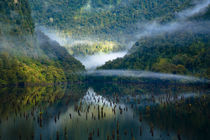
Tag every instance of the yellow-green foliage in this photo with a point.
(164, 65)
(28, 98)
(31, 71)
(90, 48)
(41, 73)
(24, 58)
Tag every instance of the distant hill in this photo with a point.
(101, 22)
(104, 18)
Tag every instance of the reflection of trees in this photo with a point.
(108, 86)
(188, 117)
(17, 100)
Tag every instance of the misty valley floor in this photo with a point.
(106, 110)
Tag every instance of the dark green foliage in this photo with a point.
(22, 71)
(60, 56)
(15, 17)
(202, 16)
(100, 17)
(28, 57)
(184, 51)
(189, 116)
(178, 53)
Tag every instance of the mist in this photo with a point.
(148, 28)
(154, 28)
(144, 29)
(144, 74)
(89, 7)
(52, 34)
(181, 22)
(93, 61)
(200, 6)
(25, 45)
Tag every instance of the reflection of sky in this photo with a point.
(80, 123)
(92, 98)
(78, 126)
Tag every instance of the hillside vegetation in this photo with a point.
(178, 53)
(102, 18)
(112, 21)
(28, 57)
(181, 46)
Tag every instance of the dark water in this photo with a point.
(106, 110)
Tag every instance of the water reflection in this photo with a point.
(105, 111)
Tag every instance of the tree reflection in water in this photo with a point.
(105, 111)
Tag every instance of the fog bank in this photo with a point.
(93, 61)
(181, 22)
(144, 74)
(200, 6)
(150, 28)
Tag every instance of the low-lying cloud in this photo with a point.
(143, 74)
(200, 6)
(151, 28)
(93, 61)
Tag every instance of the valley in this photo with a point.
(104, 69)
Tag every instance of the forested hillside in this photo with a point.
(83, 49)
(102, 17)
(101, 23)
(178, 53)
(15, 17)
(26, 59)
(179, 47)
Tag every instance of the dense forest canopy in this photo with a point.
(168, 53)
(172, 35)
(101, 21)
(113, 69)
(24, 57)
(180, 47)
(15, 17)
(107, 20)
